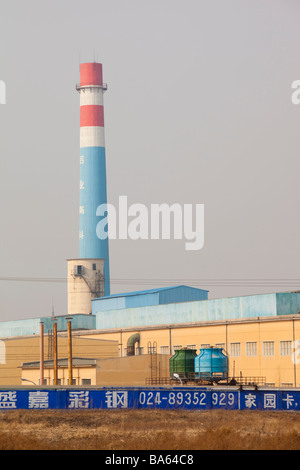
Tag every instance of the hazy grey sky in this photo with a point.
(198, 110)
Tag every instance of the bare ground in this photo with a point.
(149, 430)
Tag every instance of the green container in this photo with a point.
(171, 362)
(183, 362)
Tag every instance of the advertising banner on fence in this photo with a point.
(176, 398)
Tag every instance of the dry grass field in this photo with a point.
(149, 430)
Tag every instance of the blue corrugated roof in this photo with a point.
(149, 291)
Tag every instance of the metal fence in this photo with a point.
(192, 379)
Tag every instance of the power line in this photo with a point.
(215, 282)
(33, 279)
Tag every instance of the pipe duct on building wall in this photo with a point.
(131, 344)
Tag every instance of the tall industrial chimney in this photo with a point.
(88, 276)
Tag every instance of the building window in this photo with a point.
(220, 345)
(175, 348)
(151, 350)
(204, 346)
(191, 346)
(67, 382)
(94, 266)
(164, 350)
(78, 270)
(285, 348)
(251, 349)
(268, 348)
(86, 382)
(125, 351)
(235, 349)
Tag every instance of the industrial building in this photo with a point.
(103, 372)
(19, 353)
(260, 334)
(127, 338)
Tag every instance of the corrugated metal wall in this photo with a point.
(32, 326)
(288, 302)
(207, 310)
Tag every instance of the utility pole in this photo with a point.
(41, 353)
(55, 351)
(70, 369)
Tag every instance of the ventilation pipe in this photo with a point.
(131, 344)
